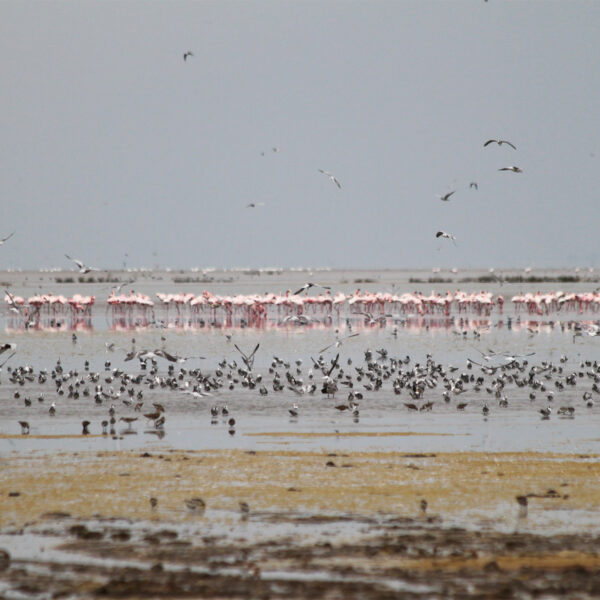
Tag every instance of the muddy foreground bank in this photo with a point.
(299, 524)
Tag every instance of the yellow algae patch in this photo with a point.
(120, 483)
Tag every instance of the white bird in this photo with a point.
(309, 285)
(332, 177)
(511, 168)
(6, 238)
(447, 235)
(338, 342)
(500, 142)
(83, 269)
(446, 197)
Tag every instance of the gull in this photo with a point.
(83, 269)
(446, 197)
(248, 360)
(444, 234)
(309, 285)
(6, 238)
(187, 54)
(118, 288)
(12, 305)
(500, 142)
(174, 357)
(474, 184)
(338, 342)
(332, 177)
(511, 168)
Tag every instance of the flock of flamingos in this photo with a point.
(295, 308)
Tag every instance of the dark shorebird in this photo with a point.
(423, 505)
(104, 427)
(195, 505)
(153, 502)
(522, 501)
(85, 425)
(128, 420)
(24, 427)
(244, 507)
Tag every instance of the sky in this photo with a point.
(115, 150)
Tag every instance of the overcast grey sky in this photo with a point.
(113, 145)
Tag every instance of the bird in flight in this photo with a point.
(446, 197)
(511, 168)
(473, 184)
(444, 234)
(6, 238)
(309, 285)
(500, 142)
(332, 177)
(338, 342)
(248, 359)
(83, 269)
(254, 204)
(187, 54)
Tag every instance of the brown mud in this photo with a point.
(316, 525)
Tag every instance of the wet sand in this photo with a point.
(319, 524)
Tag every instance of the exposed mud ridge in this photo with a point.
(414, 558)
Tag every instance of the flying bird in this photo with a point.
(446, 197)
(83, 269)
(254, 204)
(500, 142)
(248, 359)
(309, 285)
(338, 342)
(473, 184)
(444, 234)
(511, 168)
(187, 54)
(6, 238)
(332, 177)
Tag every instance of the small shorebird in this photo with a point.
(196, 505)
(244, 507)
(52, 409)
(500, 142)
(128, 420)
(153, 502)
(332, 177)
(511, 168)
(522, 501)
(85, 425)
(24, 427)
